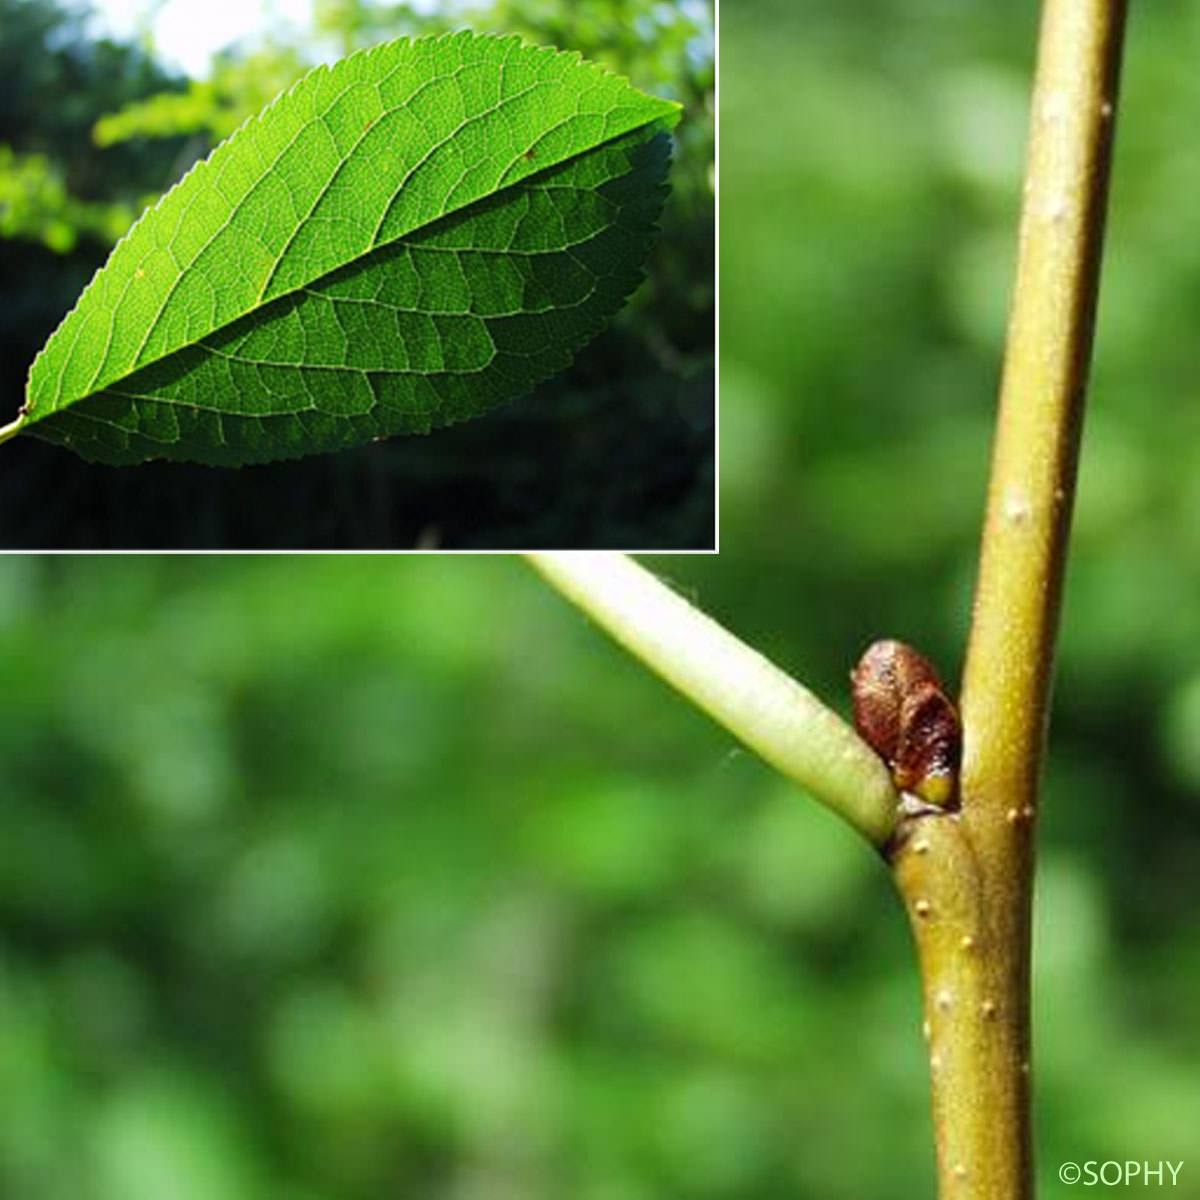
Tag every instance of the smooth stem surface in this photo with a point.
(1006, 681)
(967, 878)
(764, 707)
(11, 429)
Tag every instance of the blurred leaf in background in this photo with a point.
(615, 452)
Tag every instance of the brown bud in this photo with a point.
(902, 710)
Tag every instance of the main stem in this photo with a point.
(967, 877)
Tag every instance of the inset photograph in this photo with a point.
(426, 277)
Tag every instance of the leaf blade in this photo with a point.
(387, 149)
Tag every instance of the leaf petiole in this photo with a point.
(12, 428)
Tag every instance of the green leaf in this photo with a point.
(399, 242)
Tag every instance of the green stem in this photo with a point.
(12, 428)
(967, 879)
(765, 708)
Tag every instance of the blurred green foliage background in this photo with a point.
(331, 879)
(376, 877)
(615, 452)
